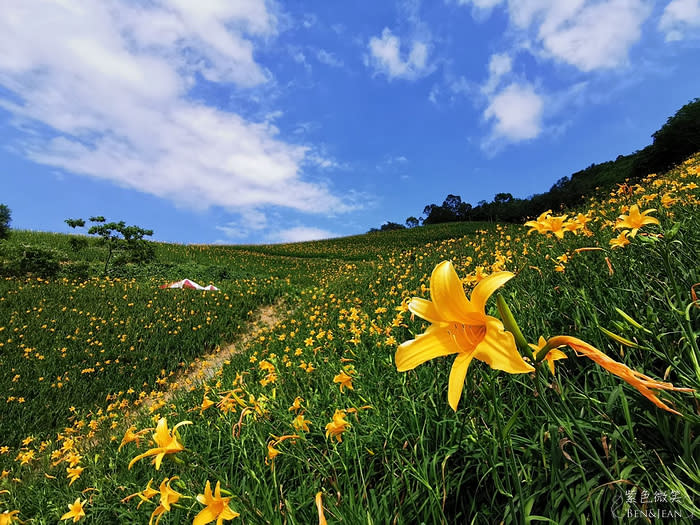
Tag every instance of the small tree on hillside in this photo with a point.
(5, 219)
(117, 236)
(412, 222)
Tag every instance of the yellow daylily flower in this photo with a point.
(166, 443)
(540, 224)
(75, 511)
(272, 452)
(131, 435)
(73, 473)
(552, 355)
(297, 404)
(635, 220)
(621, 240)
(301, 423)
(335, 428)
(144, 495)
(216, 507)
(168, 497)
(460, 326)
(8, 517)
(344, 379)
(555, 224)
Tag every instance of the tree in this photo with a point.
(5, 219)
(502, 198)
(678, 138)
(411, 222)
(117, 236)
(388, 226)
(464, 211)
(452, 203)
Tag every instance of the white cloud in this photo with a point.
(386, 57)
(329, 59)
(597, 36)
(500, 65)
(300, 234)
(586, 34)
(680, 19)
(251, 220)
(480, 4)
(110, 82)
(300, 58)
(516, 112)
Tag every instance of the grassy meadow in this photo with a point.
(311, 422)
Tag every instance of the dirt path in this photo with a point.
(200, 370)
(204, 368)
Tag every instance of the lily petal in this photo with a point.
(457, 376)
(487, 286)
(435, 342)
(498, 349)
(425, 310)
(447, 292)
(205, 516)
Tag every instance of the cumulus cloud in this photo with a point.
(300, 234)
(104, 92)
(680, 18)
(387, 58)
(515, 113)
(586, 34)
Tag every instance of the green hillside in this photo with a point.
(325, 403)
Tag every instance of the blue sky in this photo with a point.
(250, 121)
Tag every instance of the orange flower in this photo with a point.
(130, 435)
(300, 423)
(144, 495)
(297, 404)
(8, 517)
(74, 473)
(641, 382)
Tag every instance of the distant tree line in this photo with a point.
(677, 139)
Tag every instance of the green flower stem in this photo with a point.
(542, 353)
(512, 326)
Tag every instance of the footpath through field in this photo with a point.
(202, 369)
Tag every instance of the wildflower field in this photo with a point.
(572, 396)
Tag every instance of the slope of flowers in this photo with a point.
(313, 422)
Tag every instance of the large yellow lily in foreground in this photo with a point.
(460, 326)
